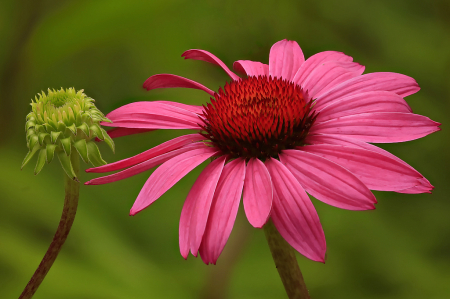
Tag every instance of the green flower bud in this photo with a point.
(61, 122)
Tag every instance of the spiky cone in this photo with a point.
(63, 121)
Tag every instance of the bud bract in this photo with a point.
(61, 122)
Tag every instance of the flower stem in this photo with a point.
(72, 189)
(286, 263)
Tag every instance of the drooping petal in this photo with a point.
(424, 184)
(294, 215)
(119, 132)
(312, 62)
(424, 187)
(168, 174)
(375, 170)
(327, 181)
(251, 68)
(393, 82)
(329, 74)
(149, 154)
(194, 215)
(372, 101)
(209, 57)
(144, 166)
(379, 127)
(223, 210)
(193, 108)
(171, 81)
(285, 59)
(185, 222)
(258, 193)
(153, 115)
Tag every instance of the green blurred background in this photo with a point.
(108, 48)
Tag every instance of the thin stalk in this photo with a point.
(286, 263)
(72, 189)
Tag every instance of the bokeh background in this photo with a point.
(108, 48)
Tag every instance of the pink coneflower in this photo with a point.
(286, 128)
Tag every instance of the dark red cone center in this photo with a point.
(258, 117)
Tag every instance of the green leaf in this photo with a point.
(33, 141)
(73, 129)
(50, 152)
(30, 155)
(78, 118)
(66, 165)
(54, 136)
(53, 125)
(39, 128)
(41, 161)
(71, 115)
(42, 137)
(61, 126)
(66, 144)
(82, 149)
(30, 132)
(95, 128)
(30, 116)
(109, 141)
(85, 128)
(106, 119)
(29, 124)
(94, 154)
(85, 116)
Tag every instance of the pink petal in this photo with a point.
(423, 184)
(375, 170)
(379, 127)
(223, 210)
(144, 166)
(170, 81)
(258, 193)
(119, 132)
(393, 82)
(153, 115)
(193, 108)
(156, 122)
(168, 174)
(372, 101)
(211, 58)
(327, 181)
(149, 154)
(285, 59)
(424, 187)
(329, 74)
(294, 215)
(251, 68)
(185, 222)
(312, 62)
(194, 215)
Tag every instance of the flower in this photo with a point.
(62, 121)
(286, 129)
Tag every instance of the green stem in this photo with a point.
(286, 263)
(72, 189)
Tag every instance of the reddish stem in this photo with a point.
(72, 189)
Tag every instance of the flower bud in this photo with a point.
(61, 122)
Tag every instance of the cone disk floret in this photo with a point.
(63, 121)
(258, 117)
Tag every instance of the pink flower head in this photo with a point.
(285, 129)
